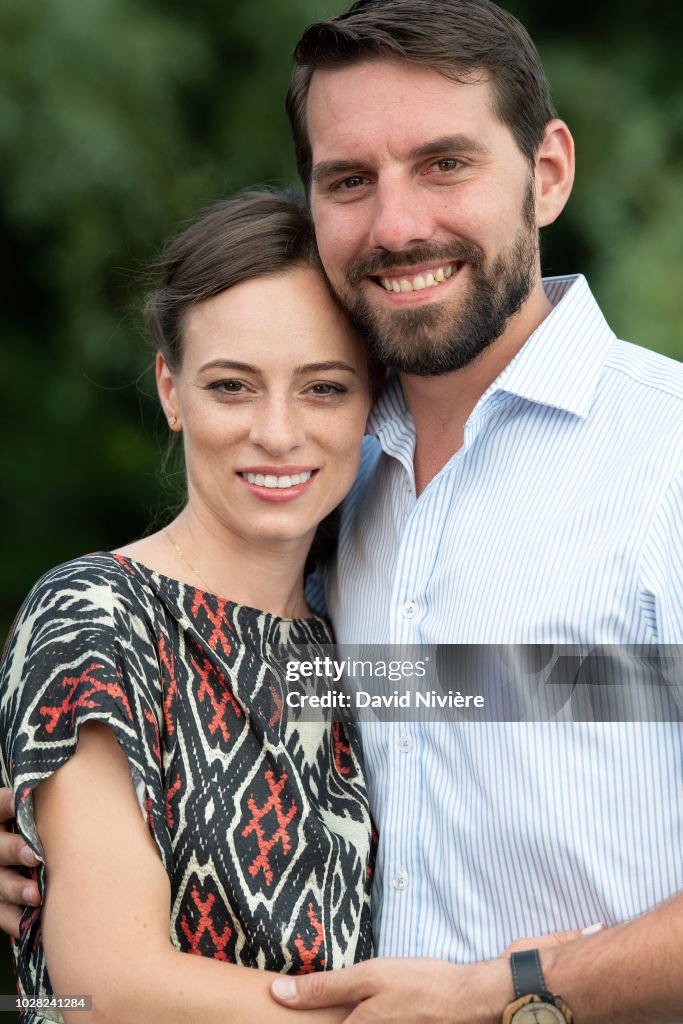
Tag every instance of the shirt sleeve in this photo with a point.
(662, 565)
(81, 651)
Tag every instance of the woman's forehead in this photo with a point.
(287, 319)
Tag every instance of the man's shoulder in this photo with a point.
(648, 370)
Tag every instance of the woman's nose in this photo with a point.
(277, 426)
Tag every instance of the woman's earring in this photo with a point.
(172, 420)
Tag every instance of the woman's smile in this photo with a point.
(279, 484)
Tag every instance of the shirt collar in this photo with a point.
(559, 365)
(391, 406)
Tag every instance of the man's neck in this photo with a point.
(441, 406)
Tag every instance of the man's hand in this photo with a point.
(16, 891)
(405, 991)
(417, 991)
(606, 974)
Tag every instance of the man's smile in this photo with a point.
(417, 280)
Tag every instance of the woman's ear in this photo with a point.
(167, 393)
(554, 172)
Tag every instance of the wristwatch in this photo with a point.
(533, 1004)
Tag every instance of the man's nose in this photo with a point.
(401, 216)
(277, 426)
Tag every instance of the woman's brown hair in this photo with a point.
(256, 232)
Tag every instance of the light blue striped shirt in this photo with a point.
(558, 521)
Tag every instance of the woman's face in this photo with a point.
(272, 399)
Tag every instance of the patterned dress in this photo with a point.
(261, 820)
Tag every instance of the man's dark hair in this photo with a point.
(461, 39)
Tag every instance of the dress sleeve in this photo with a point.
(81, 651)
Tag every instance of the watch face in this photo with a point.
(538, 1013)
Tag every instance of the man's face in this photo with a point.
(424, 211)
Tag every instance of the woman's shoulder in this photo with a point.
(91, 589)
(86, 632)
(95, 576)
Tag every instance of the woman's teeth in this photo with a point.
(270, 480)
(430, 279)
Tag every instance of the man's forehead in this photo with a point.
(390, 104)
(400, 74)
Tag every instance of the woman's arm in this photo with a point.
(106, 913)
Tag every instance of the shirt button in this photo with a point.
(409, 610)
(405, 744)
(400, 881)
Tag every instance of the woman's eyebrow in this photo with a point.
(332, 364)
(322, 367)
(228, 364)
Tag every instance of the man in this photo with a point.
(509, 495)
(522, 485)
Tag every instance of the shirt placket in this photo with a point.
(403, 874)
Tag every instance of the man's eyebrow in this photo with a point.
(450, 144)
(329, 168)
(460, 143)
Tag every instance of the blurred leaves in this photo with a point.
(120, 118)
(627, 203)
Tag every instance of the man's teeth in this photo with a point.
(430, 279)
(270, 480)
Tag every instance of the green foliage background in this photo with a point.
(118, 118)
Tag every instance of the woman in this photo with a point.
(157, 664)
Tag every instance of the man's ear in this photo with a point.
(167, 393)
(554, 172)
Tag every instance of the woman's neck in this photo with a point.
(267, 575)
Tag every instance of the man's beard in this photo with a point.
(441, 337)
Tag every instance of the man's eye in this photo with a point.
(447, 164)
(353, 181)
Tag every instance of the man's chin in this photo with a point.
(426, 364)
(417, 341)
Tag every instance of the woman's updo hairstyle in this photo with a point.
(256, 232)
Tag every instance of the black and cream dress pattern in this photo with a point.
(261, 820)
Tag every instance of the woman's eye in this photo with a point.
(228, 387)
(323, 390)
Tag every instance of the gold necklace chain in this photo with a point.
(197, 573)
(199, 576)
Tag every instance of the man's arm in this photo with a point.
(16, 891)
(630, 973)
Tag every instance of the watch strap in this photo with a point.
(527, 976)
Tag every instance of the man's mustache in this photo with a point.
(375, 264)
